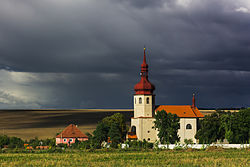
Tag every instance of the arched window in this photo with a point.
(133, 129)
(140, 100)
(135, 100)
(188, 126)
(147, 100)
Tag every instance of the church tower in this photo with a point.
(144, 98)
(144, 103)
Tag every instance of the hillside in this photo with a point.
(28, 124)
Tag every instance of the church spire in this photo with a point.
(144, 86)
(144, 57)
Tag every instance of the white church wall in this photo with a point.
(185, 133)
(144, 129)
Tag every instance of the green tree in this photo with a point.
(119, 119)
(237, 126)
(15, 142)
(167, 125)
(115, 135)
(4, 140)
(100, 134)
(211, 128)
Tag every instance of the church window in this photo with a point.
(133, 129)
(148, 139)
(147, 100)
(140, 100)
(135, 100)
(188, 126)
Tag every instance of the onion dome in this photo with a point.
(144, 87)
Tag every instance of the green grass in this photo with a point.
(129, 158)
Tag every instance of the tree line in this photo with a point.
(112, 130)
(233, 126)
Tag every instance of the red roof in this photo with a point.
(183, 111)
(72, 131)
(144, 87)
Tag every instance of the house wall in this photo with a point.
(61, 140)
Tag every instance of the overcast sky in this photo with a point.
(87, 53)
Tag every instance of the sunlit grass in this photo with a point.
(129, 158)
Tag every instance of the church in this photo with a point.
(144, 110)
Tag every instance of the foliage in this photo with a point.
(167, 125)
(15, 142)
(235, 127)
(188, 141)
(4, 140)
(210, 129)
(138, 145)
(115, 135)
(113, 126)
(119, 119)
(100, 135)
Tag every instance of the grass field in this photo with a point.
(129, 158)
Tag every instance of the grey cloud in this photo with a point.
(99, 44)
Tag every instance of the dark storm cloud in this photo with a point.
(193, 46)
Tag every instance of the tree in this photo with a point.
(100, 134)
(4, 140)
(115, 135)
(167, 125)
(15, 142)
(211, 129)
(237, 126)
(118, 119)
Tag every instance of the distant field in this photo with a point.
(223, 158)
(28, 124)
(43, 124)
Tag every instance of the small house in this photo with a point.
(70, 134)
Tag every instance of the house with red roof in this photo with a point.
(144, 109)
(70, 134)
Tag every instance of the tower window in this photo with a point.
(147, 100)
(140, 100)
(188, 126)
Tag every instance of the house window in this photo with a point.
(64, 140)
(140, 100)
(70, 140)
(188, 126)
(148, 131)
(147, 100)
